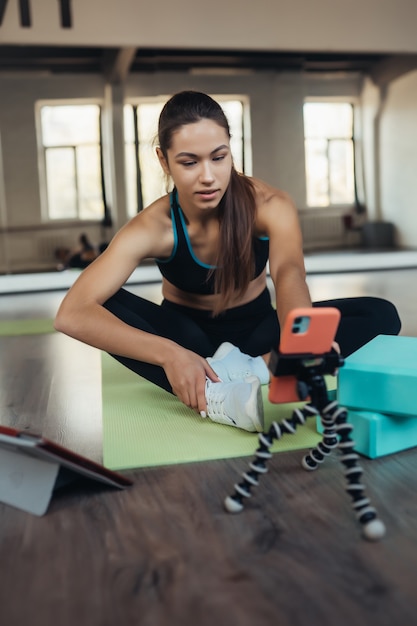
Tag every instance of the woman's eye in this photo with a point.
(219, 158)
(188, 163)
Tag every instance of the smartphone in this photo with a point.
(307, 332)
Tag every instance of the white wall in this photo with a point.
(276, 117)
(399, 158)
(29, 239)
(370, 102)
(20, 149)
(276, 99)
(277, 141)
(276, 102)
(327, 25)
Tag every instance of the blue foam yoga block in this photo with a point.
(376, 434)
(381, 377)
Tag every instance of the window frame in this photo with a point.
(353, 102)
(42, 166)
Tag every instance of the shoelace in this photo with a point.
(215, 405)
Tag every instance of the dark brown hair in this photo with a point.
(235, 262)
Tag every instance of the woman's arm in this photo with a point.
(286, 259)
(277, 217)
(81, 314)
(83, 317)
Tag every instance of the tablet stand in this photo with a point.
(32, 467)
(309, 371)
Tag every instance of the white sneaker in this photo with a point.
(237, 403)
(230, 363)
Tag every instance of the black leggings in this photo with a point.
(252, 327)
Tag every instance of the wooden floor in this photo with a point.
(164, 552)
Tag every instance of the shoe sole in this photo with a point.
(254, 404)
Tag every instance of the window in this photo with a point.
(145, 180)
(70, 139)
(144, 176)
(329, 153)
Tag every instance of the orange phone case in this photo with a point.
(309, 331)
(306, 331)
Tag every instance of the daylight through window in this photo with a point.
(329, 153)
(70, 136)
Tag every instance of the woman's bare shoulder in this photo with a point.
(266, 194)
(150, 231)
(274, 208)
(157, 213)
(277, 218)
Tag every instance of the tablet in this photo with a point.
(31, 467)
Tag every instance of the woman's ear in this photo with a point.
(162, 161)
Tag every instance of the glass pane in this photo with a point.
(152, 178)
(328, 119)
(234, 113)
(131, 187)
(342, 189)
(128, 122)
(70, 125)
(317, 172)
(89, 182)
(60, 182)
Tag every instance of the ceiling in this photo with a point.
(89, 59)
(117, 63)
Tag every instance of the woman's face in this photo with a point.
(200, 163)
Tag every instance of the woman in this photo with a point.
(209, 340)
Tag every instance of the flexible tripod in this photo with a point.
(309, 371)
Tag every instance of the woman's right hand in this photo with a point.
(187, 373)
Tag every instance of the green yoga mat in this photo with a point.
(145, 426)
(26, 327)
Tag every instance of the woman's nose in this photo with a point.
(206, 173)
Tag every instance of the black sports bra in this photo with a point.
(183, 269)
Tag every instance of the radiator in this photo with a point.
(46, 246)
(322, 230)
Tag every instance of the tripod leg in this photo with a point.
(234, 503)
(329, 442)
(372, 527)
